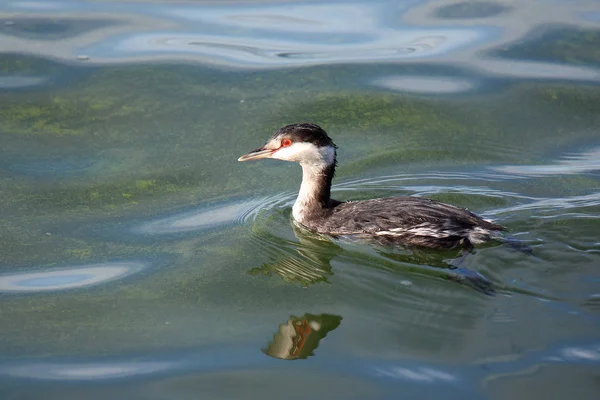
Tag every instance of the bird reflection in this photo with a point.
(298, 337)
(309, 261)
(448, 262)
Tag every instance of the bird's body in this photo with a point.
(403, 220)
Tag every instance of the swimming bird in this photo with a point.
(401, 220)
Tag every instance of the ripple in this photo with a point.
(427, 184)
(419, 374)
(243, 357)
(66, 278)
(211, 217)
(207, 218)
(430, 85)
(258, 51)
(87, 371)
(305, 258)
(51, 29)
(561, 203)
(316, 17)
(265, 36)
(581, 353)
(246, 36)
(575, 163)
(292, 254)
(536, 70)
(433, 175)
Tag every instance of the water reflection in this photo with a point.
(309, 261)
(298, 337)
(50, 29)
(558, 203)
(207, 217)
(429, 85)
(536, 70)
(258, 52)
(87, 371)
(298, 34)
(261, 36)
(585, 161)
(449, 264)
(246, 36)
(502, 368)
(66, 278)
(419, 374)
(579, 353)
(306, 331)
(436, 182)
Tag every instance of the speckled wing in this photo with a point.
(411, 220)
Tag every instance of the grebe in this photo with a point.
(403, 220)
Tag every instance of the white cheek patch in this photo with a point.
(306, 153)
(296, 152)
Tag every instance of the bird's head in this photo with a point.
(307, 144)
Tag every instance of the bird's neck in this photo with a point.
(315, 191)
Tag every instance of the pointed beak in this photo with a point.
(257, 154)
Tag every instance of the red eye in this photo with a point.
(286, 143)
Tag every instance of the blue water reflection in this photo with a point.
(427, 85)
(67, 278)
(244, 355)
(266, 36)
(575, 163)
(249, 36)
(417, 374)
(211, 216)
(87, 371)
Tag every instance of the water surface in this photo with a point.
(140, 260)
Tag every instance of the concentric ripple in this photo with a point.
(210, 217)
(306, 258)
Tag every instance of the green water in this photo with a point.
(140, 260)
